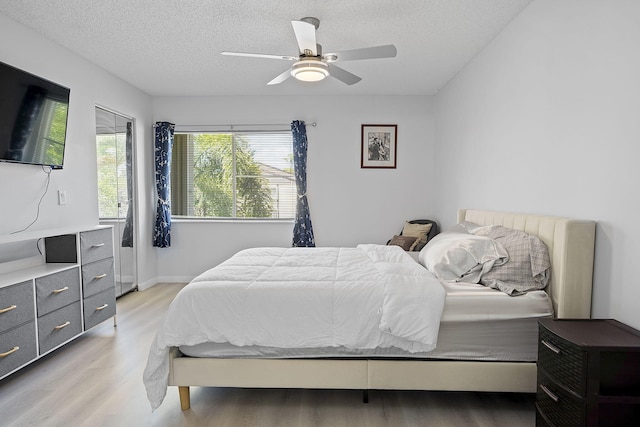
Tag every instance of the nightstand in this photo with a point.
(588, 373)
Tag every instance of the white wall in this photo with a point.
(21, 186)
(349, 205)
(546, 119)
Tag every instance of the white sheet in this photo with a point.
(365, 297)
(469, 302)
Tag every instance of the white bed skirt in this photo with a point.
(478, 323)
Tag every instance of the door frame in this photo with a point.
(134, 189)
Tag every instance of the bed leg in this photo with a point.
(185, 400)
(365, 396)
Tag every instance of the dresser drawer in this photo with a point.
(17, 347)
(16, 305)
(563, 361)
(557, 405)
(97, 277)
(57, 290)
(96, 245)
(59, 326)
(99, 308)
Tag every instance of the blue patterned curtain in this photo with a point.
(302, 229)
(163, 143)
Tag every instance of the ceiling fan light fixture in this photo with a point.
(310, 70)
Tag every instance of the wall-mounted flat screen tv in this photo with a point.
(33, 118)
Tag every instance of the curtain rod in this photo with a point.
(231, 126)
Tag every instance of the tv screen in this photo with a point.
(33, 118)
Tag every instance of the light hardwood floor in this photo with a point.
(96, 380)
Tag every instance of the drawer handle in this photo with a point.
(100, 276)
(549, 393)
(97, 245)
(13, 350)
(102, 307)
(57, 291)
(64, 325)
(4, 310)
(551, 347)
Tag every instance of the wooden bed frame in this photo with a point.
(571, 249)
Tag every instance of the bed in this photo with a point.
(570, 245)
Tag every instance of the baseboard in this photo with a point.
(166, 279)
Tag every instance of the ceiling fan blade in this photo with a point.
(343, 75)
(386, 51)
(261, 55)
(280, 77)
(306, 37)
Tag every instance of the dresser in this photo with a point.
(588, 373)
(50, 299)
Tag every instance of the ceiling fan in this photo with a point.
(312, 65)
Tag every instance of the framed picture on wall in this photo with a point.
(379, 146)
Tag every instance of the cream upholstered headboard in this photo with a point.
(571, 245)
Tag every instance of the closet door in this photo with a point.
(114, 148)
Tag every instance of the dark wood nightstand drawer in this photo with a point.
(562, 361)
(557, 405)
(541, 421)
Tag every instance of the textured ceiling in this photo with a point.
(172, 48)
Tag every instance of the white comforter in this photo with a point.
(364, 297)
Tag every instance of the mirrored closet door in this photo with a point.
(114, 148)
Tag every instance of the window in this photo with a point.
(233, 175)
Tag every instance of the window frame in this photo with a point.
(234, 132)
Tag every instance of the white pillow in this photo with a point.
(462, 257)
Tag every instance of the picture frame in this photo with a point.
(379, 145)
